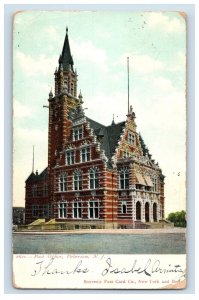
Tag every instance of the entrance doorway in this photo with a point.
(154, 212)
(138, 210)
(147, 211)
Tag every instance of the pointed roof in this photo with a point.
(66, 60)
(36, 177)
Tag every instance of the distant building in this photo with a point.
(18, 215)
(96, 174)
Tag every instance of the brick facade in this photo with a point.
(96, 174)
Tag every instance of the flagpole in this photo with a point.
(33, 159)
(128, 80)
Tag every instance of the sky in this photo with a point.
(100, 43)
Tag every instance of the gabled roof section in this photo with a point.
(66, 59)
(37, 177)
(108, 136)
(31, 177)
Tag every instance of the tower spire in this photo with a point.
(66, 59)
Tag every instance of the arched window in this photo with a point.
(77, 180)
(124, 179)
(62, 182)
(93, 178)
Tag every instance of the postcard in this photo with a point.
(99, 150)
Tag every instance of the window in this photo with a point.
(138, 186)
(154, 179)
(77, 210)
(93, 178)
(124, 179)
(77, 134)
(62, 210)
(131, 138)
(72, 89)
(35, 210)
(85, 154)
(45, 211)
(93, 209)
(45, 190)
(126, 154)
(65, 84)
(70, 157)
(34, 190)
(123, 207)
(62, 182)
(77, 180)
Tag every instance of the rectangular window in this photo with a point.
(45, 190)
(123, 207)
(124, 180)
(77, 180)
(72, 89)
(45, 211)
(94, 179)
(35, 210)
(34, 190)
(94, 210)
(126, 154)
(70, 157)
(138, 186)
(131, 138)
(77, 134)
(85, 154)
(77, 210)
(62, 183)
(154, 179)
(62, 210)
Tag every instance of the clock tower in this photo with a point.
(64, 98)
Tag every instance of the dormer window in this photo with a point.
(77, 133)
(131, 138)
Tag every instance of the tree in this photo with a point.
(178, 218)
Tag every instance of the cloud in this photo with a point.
(32, 66)
(21, 110)
(165, 22)
(162, 85)
(31, 135)
(142, 64)
(88, 52)
(52, 33)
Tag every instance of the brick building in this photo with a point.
(97, 176)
